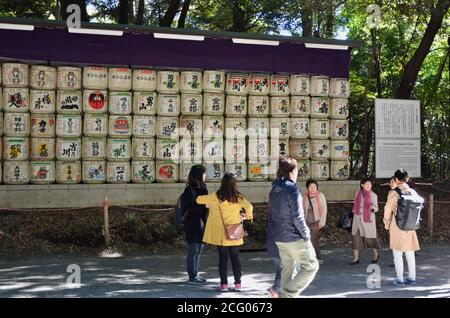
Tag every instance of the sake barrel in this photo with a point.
(93, 148)
(235, 128)
(213, 104)
(258, 149)
(168, 82)
(191, 126)
(320, 149)
(213, 150)
(144, 80)
(95, 101)
(185, 169)
(95, 77)
(166, 171)
(118, 172)
(279, 148)
(339, 170)
(258, 84)
(235, 150)
(42, 77)
(42, 172)
(119, 149)
(213, 126)
(300, 148)
(68, 125)
(239, 170)
(320, 128)
(95, 125)
(339, 129)
(43, 148)
(120, 126)
(93, 171)
(320, 170)
(339, 108)
(16, 99)
(320, 85)
(258, 171)
(258, 106)
(1, 150)
(236, 106)
(191, 149)
(279, 85)
(68, 172)
(142, 171)
(15, 75)
(299, 128)
(167, 127)
(280, 106)
(16, 124)
(339, 150)
(69, 102)
(43, 125)
(144, 103)
(300, 106)
(258, 127)
(304, 170)
(299, 84)
(143, 148)
(214, 171)
(167, 149)
(119, 79)
(16, 172)
(213, 81)
(15, 148)
(1, 124)
(68, 149)
(280, 128)
(237, 83)
(120, 103)
(42, 101)
(320, 107)
(191, 104)
(1, 99)
(168, 104)
(144, 126)
(1, 168)
(69, 78)
(191, 82)
(339, 87)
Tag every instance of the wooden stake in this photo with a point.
(430, 216)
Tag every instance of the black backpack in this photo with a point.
(409, 206)
(180, 210)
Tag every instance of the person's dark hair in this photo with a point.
(228, 189)
(195, 178)
(312, 181)
(285, 167)
(402, 175)
(364, 180)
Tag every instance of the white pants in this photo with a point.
(410, 260)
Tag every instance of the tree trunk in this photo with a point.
(140, 12)
(307, 22)
(65, 3)
(170, 14)
(183, 14)
(123, 11)
(239, 18)
(330, 19)
(376, 60)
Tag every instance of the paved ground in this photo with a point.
(164, 276)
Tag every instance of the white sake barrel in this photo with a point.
(42, 77)
(119, 149)
(120, 126)
(144, 80)
(119, 79)
(16, 100)
(258, 127)
(15, 75)
(168, 82)
(213, 126)
(191, 104)
(239, 170)
(237, 83)
(339, 129)
(320, 85)
(259, 84)
(1, 151)
(43, 125)
(300, 148)
(69, 102)
(299, 128)
(214, 171)
(42, 172)
(213, 104)
(95, 125)
(235, 150)
(191, 82)
(279, 148)
(93, 148)
(95, 77)
(191, 126)
(258, 149)
(68, 172)
(339, 150)
(167, 149)
(1, 168)
(272, 169)
(258, 106)
(304, 170)
(300, 106)
(118, 172)
(166, 171)
(15, 148)
(213, 150)
(299, 84)
(1, 124)
(213, 81)
(279, 85)
(191, 149)
(280, 128)
(258, 171)
(320, 149)
(43, 148)
(144, 126)
(167, 127)
(68, 125)
(168, 104)
(42, 101)
(339, 87)
(185, 168)
(339, 170)
(144, 103)
(280, 106)
(17, 124)
(320, 128)
(68, 149)
(320, 169)
(120, 103)
(339, 108)
(236, 106)
(142, 171)
(94, 172)
(69, 78)
(95, 101)
(235, 128)
(16, 172)
(143, 148)
(320, 107)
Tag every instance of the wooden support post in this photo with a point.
(430, 216)
(106, 220)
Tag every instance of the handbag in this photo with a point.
(346, 220)
(233, 232)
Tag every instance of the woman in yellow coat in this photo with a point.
(226, 207)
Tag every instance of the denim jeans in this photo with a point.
(193, 258)
(277, 281)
